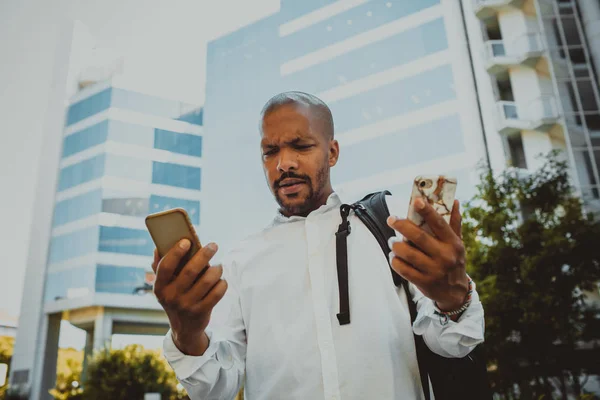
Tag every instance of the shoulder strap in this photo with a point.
(373, 212)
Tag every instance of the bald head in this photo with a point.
(317, 108)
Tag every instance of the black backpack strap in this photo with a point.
(342, 265)
(373, 211)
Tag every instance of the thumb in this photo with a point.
(155, 261)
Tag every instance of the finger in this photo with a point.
(413, 256)
(418, 236)
(213, 297)
(190, 272)
(435, 220)
(201, 288)
(155, 261)
(456, 219)
(169, 263)
(408, 272)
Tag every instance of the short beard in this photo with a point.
(311, 202)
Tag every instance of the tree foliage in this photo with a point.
(68, 374)
(535, 257)
(129, 374)
(6, 350)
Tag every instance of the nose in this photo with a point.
(287, 161)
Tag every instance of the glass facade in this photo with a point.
(395, 74)
(104, 194)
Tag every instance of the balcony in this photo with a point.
(538, 115)
(488, 8)
(500, 55)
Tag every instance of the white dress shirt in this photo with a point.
(277, 323)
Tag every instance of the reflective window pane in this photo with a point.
(132, 206)
(176, 175)
(125, 240)
(86, 138)
(400, 149)
(74, 244)
(69, 283)
(117, 279)
(411, 45)
(82, 172)
(397, 98)
(77, 207)
(89, 106)
(182, 143)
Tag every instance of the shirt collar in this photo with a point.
(333, 201)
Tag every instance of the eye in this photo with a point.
(269, 152)
(304, 147)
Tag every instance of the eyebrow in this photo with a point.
(292, 142)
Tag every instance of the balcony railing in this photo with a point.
(500, 54)
(537, 114)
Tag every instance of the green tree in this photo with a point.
(128, 374)
(534, 256)
(6, 350)
(68, 374)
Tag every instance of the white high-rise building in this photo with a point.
(536, 63)
(111, 157)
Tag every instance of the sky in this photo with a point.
(163, 44)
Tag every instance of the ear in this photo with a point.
(334, 152)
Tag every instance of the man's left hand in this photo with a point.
(436, 265)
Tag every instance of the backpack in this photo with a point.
(451, 378)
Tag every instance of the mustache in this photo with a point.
(290, 175)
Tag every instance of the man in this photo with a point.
(278, 326)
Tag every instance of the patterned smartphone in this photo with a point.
(439, 190)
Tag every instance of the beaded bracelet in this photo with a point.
(464, 306)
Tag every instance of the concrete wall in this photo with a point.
(34, 326)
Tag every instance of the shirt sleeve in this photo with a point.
(219, 372)
(442, 335)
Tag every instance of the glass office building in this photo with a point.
(125, 155)
(396, 74)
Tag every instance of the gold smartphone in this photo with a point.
(167, 228)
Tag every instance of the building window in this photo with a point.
(69, 283)
(116, 279)
(86, 138)
(82, 172)
(89, 106)
(74, 244)
(182, 143)
(125, 240)
(399, 149)
(176, 175)
(517, 152)
(77, 207)
(131, 206)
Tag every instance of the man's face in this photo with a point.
(297, 155)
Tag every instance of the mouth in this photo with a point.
(290, 186)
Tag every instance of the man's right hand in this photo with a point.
(187, 299)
